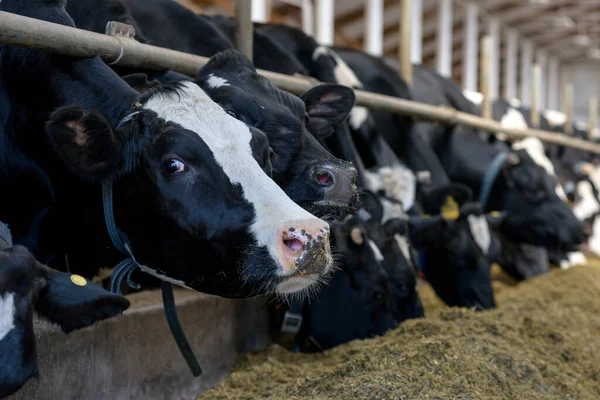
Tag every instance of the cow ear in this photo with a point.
(74, 302)
(435, 200)
(85, 141)
(495, 219)
(395, 226)
(327, 105)
(139, 81)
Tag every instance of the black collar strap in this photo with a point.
(294, 329)
(126, 267)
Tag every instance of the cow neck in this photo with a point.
(125, 268)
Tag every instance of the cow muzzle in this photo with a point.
(303, 254)
(336, 182)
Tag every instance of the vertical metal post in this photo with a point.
(593, 117)
(510, 70)
(416, 32)
(308, 17)
(542, 61)
(484, 82)
(535, 96)
(526, 63)
(553, 83)
(325, 22)
(444, 38)
(374, 27)
(405, 42)
(494, 32)
(471, 47)
(260, 10)
(568, 108)
(243, 27)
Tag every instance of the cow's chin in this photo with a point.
(297, 284)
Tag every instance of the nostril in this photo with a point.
(294, 245)
(324, 178)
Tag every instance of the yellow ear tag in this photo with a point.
(78, 280)
(495, 214)
(450, 210)
(426, 216)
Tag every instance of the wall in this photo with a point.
(585, 77)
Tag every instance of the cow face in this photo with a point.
(310, 175)
(535, 214)
(357, 303)
(67, 300)
(192, 195)
(457, 256)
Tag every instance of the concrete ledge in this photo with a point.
(135, 356)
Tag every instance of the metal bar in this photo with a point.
(593, 117)
(243, 27)
(405, 42)
(535, 96)
(444, 38)
(510, 70)
(260, 10)
(374, 27)
(325, 22)
(308, 17)
(470, 58)
(484, 83)
(32, 33)
(553, 83)
(568, 108)
(526, 62)
(416, 32)
(494, 33)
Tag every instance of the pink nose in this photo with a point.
(304, 248)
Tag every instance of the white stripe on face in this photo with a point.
(535, 149)
(480, 232)
(229, 140)
(404, 248)
(376, 251)
(588, 204)
(216, 81)
(398, 182)
(7, 314)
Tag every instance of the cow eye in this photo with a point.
(232, 113)
(173, 166)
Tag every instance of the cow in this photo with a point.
(357, 303)
(310, 175)
(61, 298)
(190, 187)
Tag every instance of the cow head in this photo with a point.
(458, 246)
(68, 300)
(357, 303)
(535, 213)
(310, 175)
(192, 195)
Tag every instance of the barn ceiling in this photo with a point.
(567, 29)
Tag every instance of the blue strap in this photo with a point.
(5, 235)
(490, 177)
(125, 268)
(422, 261)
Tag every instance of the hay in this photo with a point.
(541, 343)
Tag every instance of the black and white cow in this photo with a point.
(68, 300)
(190, 189)
(357, 303)
(310, 175)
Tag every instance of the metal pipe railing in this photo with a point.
(32, 33)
